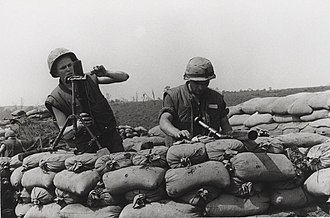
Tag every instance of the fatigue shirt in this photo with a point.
(101, 112)
(185, 107)
(13, 147)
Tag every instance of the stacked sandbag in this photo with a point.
(300, 112)
(156, 131)
(142, 142)
(126, 131)
(38, 113)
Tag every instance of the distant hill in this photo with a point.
(146, 113)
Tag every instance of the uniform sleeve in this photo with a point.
(168, 106)
(223, 109)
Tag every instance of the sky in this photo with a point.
(252, 44)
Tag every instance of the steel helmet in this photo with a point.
(199, 69)
(9, 133)
(54, 55)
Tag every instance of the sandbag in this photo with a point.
(303, 139)
(300, 106)
(257, 119)
(32, 161)
(114, 161)
(282, 104)
(80, 163)
(235, 110)
(292, 198)
(242, 188)
(200, 197)
(231, 206)
(319, 156)
(23, 196)
(162, 209)
(279, 118)
(183, 155)
(238, 119)
(21, 209)
(133, 177)
(100, 197)
(65, 197)
(155, 157)
(42, 196)
(320, 100)
(318, 184)
(149, 195)
(44, 211)
(320, 123)
(36, 177)
(315, 115)
(78, 183)
(54, 162)
(179, 181)
(142, 142)
(81, 211)
(15, 162)
(262, 167)
(217, 149)
(264, 144)
(264, 104)
(249, 106)
(16, 177)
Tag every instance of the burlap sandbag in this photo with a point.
(80, 163)
(264, 144)
(156, 131)
(264, 105)
(257, 119)
(78, 183)
(239, 119)
(16, 177)
(142, 142)
(36, 177)
(249, 106)
(231, 206)
(42, 196)
(44, 211)
(282, 104)
(200, 197)
(133, 177)
(32, 161)
(81, 211)
(162, 209)
(279, 118)
(216, 150)
(54, 162)
(65, 197)
(155, 157)
(22, 209)
(114, 161)
(183, 155)
(319, 156)
(235, 110)
(302, 139)
(292, 198)
(315, 115)
(100, 197)
(320, 100)
(320, 123)
(179, 181)
(15, 162)
(262, 167)
(150, 195)
(300, 106)
(318, 184)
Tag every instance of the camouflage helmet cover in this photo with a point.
(199, 69)
(54, 55)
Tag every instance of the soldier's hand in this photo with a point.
(99, 70)
(86, 118)
(182, 134)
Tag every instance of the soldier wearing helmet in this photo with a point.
(101, 117)
(11, 145)
(182, 104)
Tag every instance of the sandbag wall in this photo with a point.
(301, 112)
(210, 177)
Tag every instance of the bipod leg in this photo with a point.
(60, 134)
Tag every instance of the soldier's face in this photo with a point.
(64, 69)
(199, 87)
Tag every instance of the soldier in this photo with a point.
(182, 104)
(11, 145)
(101, 117)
